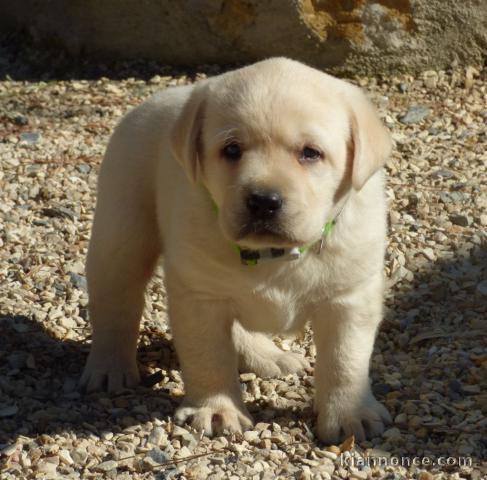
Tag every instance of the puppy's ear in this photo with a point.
(370, 143)
(186, 133)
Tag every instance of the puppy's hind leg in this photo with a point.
(258, 353)
(123, 251)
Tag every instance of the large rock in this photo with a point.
(348, 35)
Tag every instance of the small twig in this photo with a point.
(200, 455)
(423, 187)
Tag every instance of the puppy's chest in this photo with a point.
(284, 301)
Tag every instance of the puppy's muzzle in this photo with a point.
(263, 205)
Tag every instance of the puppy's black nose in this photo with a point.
(263, 205)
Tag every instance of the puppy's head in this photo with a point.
(276, 145)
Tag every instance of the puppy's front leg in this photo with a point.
(202, 336)
(123, 251)
(344, 332)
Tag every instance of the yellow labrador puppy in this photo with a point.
(263, 189)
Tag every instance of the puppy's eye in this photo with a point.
(310, 155)
(232, 151)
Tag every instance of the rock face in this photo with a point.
(346, 35)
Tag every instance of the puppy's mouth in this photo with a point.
(263, 234)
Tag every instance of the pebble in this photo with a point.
(9, 411)
(30, 138)
(179, 431)
(157, 436)
(151, 380)
(429, 254)
(401, 419)
(461, 220)
(106, 435)
(110, 88)
(49, 468)
(482, 288)
(9, 450)
(440, 237)
(106, 466)
(65, 457)
(251, 436)
(382, 388)
(183, 452)
(443, 173)
(415, 421)
(20, 120)
(452, 197)
(403, 87)
(267, 443)
(67, 322)
(220, 443)
(200, 471)
(261, 426)
(472, 389)
(392, 433)
(60, 212)
(470, 74)
(78, 281)
(415, 114)
(332, 455)
(79, 456)
(155, 80)
(395, 217)
(157, 455)
(305, 475)
(430, 79)
(83, 168)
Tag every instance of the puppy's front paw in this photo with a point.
(339, 419)
(214, 415)
(102, 372)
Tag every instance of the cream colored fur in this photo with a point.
(161, 174)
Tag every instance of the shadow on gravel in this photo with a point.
(22, 62)
(39, 378)
(434, 333)
(39, 394)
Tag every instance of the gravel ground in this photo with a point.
(430, 361)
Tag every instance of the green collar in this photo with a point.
(253, 257)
